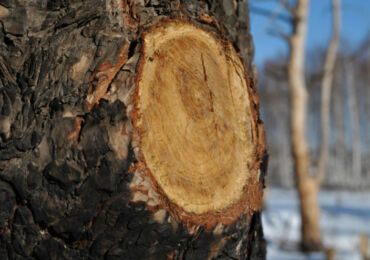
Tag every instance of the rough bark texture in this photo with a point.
(65, 151)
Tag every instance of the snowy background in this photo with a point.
(344, 216)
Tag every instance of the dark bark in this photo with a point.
(59, 200)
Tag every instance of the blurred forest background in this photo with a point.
(313, 65)
(349, 143)
(348, 162)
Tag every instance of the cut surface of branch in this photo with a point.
(196, 124)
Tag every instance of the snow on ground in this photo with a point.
(344, 215)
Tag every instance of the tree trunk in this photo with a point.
(306, 184)
(354, 122)
(340, 161)
(97, 102)
(326, 92)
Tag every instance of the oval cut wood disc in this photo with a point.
(194, 119)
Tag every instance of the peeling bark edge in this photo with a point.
(250, 201)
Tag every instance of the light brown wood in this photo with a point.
(364, 244)
(307, 185)
(330, 253)
(197, 130)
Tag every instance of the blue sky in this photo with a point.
(355, 26)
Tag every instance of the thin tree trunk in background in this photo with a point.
(306, 184)
(70, 186)
(326, 92)
(354, 122)
(339, 162)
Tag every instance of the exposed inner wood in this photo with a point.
(194, 119)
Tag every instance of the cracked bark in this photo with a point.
(64, 163)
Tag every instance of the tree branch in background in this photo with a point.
(265, 12)
(279, 33)
(276, 71)
(326, 92)
(287, 6)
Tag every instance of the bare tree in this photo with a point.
(326, 92)
(355, 122)
(308, 185)
(351, 69)
(338, 160)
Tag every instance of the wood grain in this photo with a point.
(194, 119)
